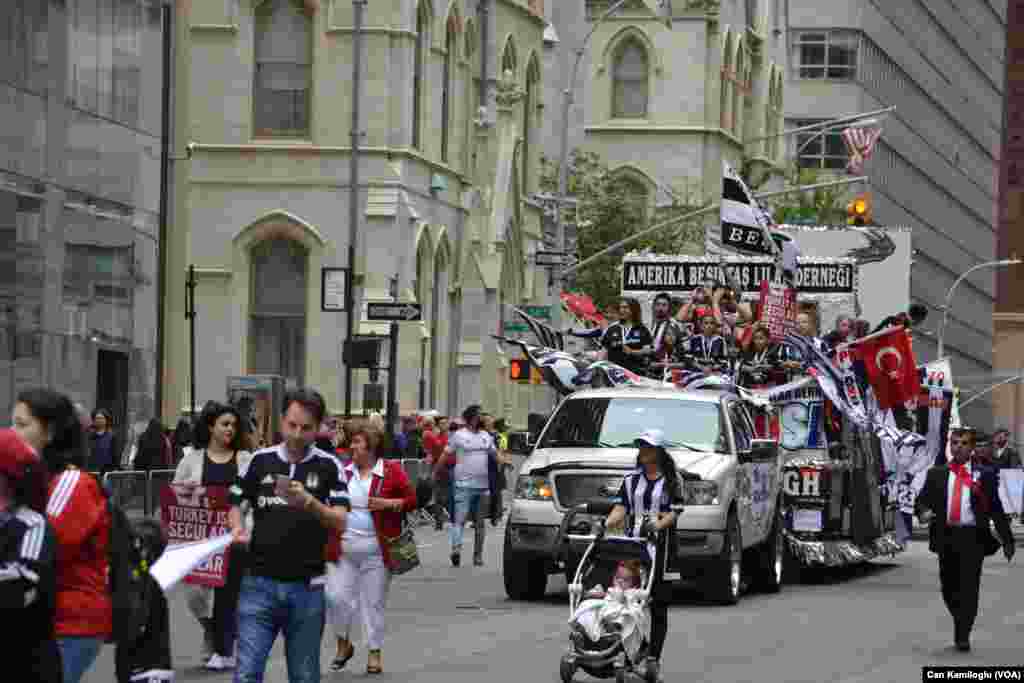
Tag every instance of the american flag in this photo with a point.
(860, 143)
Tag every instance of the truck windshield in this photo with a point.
(695, 425)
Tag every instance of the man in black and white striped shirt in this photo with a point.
(28, 556)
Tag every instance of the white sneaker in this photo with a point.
(218, 663)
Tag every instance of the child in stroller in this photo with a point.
(610, 629)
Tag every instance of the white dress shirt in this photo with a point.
(966, 512)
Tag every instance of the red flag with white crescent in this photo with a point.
(891, 368)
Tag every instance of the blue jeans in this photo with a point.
(267, 607)
(469, 503)
(77, 654)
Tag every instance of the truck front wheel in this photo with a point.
(525, 578)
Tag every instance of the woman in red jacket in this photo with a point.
(380, 494)
(77, 511)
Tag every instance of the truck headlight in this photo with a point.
(700, 493)
(529, 487)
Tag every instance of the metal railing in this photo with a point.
(138, 491)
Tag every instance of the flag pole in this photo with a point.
(873, 335)
(824, 124)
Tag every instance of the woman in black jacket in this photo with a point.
(104, 446)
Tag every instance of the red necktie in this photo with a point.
(958, 489)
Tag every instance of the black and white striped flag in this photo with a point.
(546, 335)
(746, 226)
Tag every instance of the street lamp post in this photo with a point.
(563, 153)
(956, 283)
(989, 389)
(358, 6)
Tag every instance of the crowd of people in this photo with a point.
(318, 524)
(714, 330)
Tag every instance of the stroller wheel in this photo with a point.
(566, 670)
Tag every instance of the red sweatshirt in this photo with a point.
(77, 510)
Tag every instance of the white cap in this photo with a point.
(652, 437)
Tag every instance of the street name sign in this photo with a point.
(538, 312)
(550, 258)
(399, 311)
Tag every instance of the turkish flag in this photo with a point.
(890, 367)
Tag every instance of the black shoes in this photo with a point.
(478, 561)
(456, 559)
(963, 646)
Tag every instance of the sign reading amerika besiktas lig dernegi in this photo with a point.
(812, 277)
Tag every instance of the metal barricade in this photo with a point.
(129, 491)
(158, 479)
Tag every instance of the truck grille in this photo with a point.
(574, 488)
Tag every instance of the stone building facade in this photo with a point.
(80, 97)
(263, 110)
(664, 106)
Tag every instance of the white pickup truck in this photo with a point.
(731, 525)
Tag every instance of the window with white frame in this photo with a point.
(824, 55)
(821, 148)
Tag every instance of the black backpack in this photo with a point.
(130, 553)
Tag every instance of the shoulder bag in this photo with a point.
(402, 550)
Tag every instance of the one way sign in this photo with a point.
(395, 312)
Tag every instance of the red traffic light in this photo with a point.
(519, 370)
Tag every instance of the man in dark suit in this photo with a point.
(1004, 455)
(961, 499)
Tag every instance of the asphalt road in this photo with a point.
(880, 622)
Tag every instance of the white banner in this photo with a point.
(179, 560)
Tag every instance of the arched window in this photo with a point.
(277, 336)
(726, 95)
(446, 86)
(282, 77)
(634, 193)
(738, 89)
(509, 61)
(629, 80)
(419, 63)
(529, 115)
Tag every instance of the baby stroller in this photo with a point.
(618, 641)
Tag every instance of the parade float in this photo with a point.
(849, 470)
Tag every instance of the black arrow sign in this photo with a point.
(400, 311)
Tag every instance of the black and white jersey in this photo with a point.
(288, 543)
(28, 584)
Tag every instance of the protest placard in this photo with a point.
(778, 309)
(191, 514)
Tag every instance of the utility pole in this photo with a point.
(358, 6)
(392, 408)
(190, 316)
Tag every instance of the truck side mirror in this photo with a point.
(761, 450)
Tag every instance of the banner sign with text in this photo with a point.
(778, 309)
(814, 276)
(938, 373)
(197, 514)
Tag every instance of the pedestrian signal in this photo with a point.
(519, 370)
(858, 212)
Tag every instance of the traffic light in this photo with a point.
(858, 212)
(519, 370)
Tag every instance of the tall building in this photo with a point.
(450, 106)
(81, 85)
(941, 65)
(1008, 318)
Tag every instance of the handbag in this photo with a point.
(402, 550)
